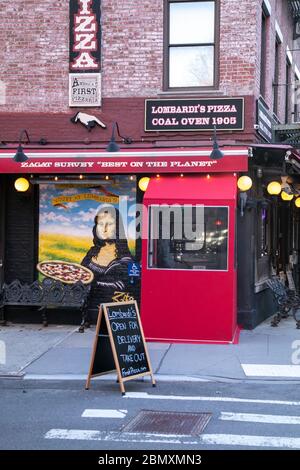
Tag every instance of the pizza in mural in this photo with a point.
(63, 271)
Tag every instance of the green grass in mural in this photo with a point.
(63, 247)
(67, 248)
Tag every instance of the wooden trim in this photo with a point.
(96, 339)
(121, 380)
(113, 348)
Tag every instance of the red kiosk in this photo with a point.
(189, 286)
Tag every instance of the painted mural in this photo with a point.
(92, 226)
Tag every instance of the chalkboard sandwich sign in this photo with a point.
(127, 341)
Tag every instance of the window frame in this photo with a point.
(166, 54)
(288, 88)
(150, 240)
(263, 52)
(277, 70)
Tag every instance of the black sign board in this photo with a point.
(85, 35)
(127, 342)
(265, 122)
(194, 114)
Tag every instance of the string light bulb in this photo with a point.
(22, 185)
(244, 183)
(286, 197)
(274, 188)
(143, 183)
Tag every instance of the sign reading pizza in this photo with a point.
(85, 35)
(226, 114)
(85, 53)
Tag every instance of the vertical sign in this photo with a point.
(85, 53)
(265, 121)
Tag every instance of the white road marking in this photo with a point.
(86, 435)
(97, 413)
(144, 395)
(231, 440)
(259, 418)
(251, 441)
(271, 370)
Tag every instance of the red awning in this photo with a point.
(175, 160)
(216, 187)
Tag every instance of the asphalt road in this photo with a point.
(64, 416)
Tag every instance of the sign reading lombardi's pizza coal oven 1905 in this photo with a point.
(194, 114)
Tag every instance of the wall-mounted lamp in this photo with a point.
(20, 155)
(243, 202)
(297, 202)
(244, 183)
(246, 202)
(113, 146)
(216, 154)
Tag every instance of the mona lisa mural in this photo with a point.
(93, 225)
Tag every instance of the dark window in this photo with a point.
(276, 77)
(296, 98)
(188, 238)
(191, 33)
(287, 91)
(263, 54)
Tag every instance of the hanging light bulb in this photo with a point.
(274, 188)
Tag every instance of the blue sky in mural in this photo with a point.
(76, 218)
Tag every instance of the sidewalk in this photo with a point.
(60, 352)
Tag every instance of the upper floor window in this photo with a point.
(191, 39)
(263, 54)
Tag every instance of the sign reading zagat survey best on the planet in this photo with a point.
(85, 53)
(225, 114)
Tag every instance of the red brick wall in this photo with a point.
(34, 54)
(34, 62)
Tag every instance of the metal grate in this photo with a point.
(168, 422)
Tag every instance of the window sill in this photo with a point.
(191, 93)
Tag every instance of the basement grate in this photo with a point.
(168, 422)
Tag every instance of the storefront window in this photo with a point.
(188, 237)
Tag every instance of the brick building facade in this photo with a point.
(248, 50)
(34, 63)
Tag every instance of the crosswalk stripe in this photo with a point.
(97, 413)
(260, 418)
(251, 441)
(88, 435)
(144, 395)
(231, 440)
(271, 370)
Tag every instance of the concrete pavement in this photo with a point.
(60, 352)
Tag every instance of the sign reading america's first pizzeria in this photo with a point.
(194, 114)
(85, 53)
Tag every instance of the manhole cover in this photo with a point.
(168, 422)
